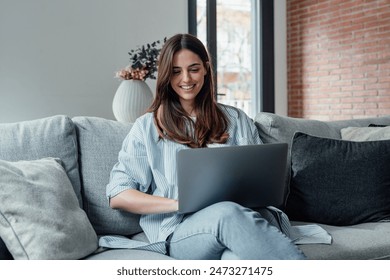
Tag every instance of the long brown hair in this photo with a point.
(171, 120)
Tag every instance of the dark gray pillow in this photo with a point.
(339, 182)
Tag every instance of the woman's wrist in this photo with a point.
(175, 205)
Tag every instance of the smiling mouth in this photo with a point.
(189, 87)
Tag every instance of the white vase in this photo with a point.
(131, 100)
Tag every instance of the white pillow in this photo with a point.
(40, 217)
(365, 133)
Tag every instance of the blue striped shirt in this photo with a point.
(148, 164)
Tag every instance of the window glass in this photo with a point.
(234, 60)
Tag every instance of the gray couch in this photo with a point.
(87, 148)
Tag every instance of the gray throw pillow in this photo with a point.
(339, 182)
(47, 137)
(40, 217)
(365, 133)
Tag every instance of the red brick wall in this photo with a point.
(338, 58)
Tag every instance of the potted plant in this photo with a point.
(133, 95)
(143, 62)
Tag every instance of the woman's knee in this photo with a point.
(220, 217)
(198, 246)
(226, 210)
(227, 207)
(212, 217)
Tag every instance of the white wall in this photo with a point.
(60, 57)
(280, 25)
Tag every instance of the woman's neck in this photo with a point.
(189, 108)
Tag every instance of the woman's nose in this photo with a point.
(186, 76)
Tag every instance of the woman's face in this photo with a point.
(187, 77)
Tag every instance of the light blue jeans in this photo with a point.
(207, 233)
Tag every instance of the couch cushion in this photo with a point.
(47, 137)
(339, 182)
(365, 133)
(100, 141)
(40, 216)
(128, 254)
(275, 128)
(357, 242)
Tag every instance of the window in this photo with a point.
(232, 31)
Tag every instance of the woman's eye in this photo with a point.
(194, 70)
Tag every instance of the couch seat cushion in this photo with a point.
(357, 242)
(127, 254)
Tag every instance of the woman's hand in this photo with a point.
(141, 203)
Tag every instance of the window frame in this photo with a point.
(263, 60)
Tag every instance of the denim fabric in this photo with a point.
(207, 233)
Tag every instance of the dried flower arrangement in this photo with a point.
(143, 62)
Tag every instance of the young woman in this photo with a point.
(185, 115)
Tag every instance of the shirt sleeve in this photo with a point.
(247, 131)
(132, 171)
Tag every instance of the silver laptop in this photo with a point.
(253, 176)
